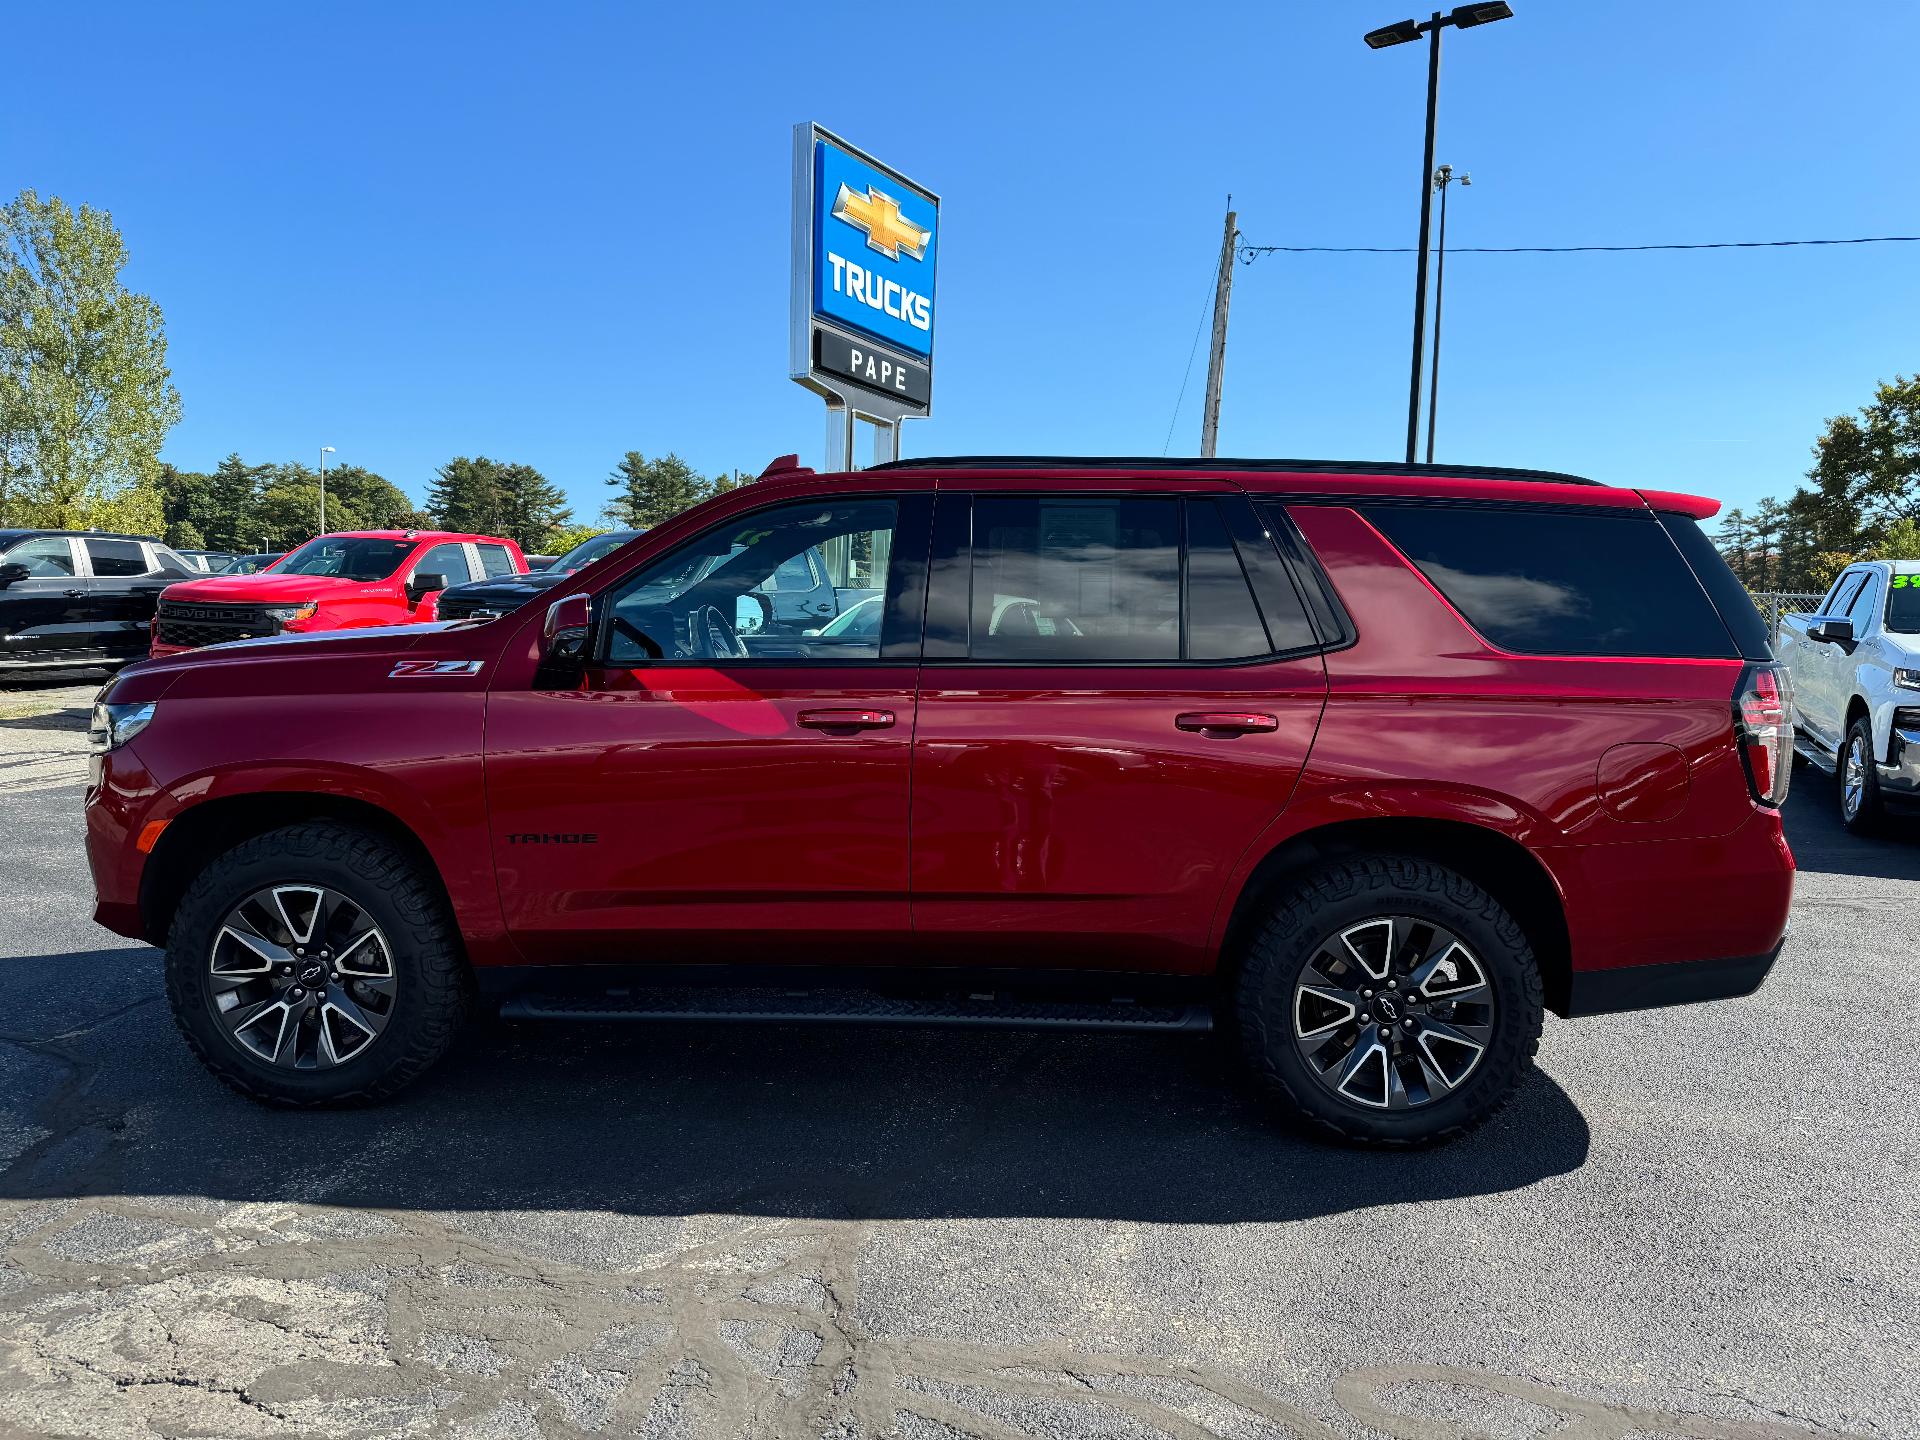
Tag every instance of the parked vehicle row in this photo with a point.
(1855, 667)
(1369, 763)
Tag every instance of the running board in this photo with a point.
(1805, 745)
(854, 1007)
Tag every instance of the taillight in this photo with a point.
(1763, 728)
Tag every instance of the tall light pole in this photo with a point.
(1462, 17)
(325, 450)
(1442, 178)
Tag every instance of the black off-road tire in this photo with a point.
(1346, 892)
(1866, 815)
(434, 986)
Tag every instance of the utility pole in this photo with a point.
(1217, 353)
(1442, 178)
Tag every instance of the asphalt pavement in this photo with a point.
(1697, 1222)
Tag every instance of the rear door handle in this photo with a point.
(1226, 722)
(846, 719)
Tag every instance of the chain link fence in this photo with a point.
(1772, 604)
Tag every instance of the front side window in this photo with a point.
(711, 599)
(1075, 579)
(48, 557)
(448, 561)
(116, 558)
(1560, 582)
(1861, 609)
(347, 558)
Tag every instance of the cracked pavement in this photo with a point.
(1690, 1223)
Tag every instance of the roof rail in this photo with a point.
(1162, 462)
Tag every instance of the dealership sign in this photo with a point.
(865, 249)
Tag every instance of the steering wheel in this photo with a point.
(713, 635)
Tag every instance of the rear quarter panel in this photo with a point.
(1425, 718)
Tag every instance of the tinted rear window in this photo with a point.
(1710, 568)
(1552, 582)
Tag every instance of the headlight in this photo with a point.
(1906, 679)
(114, 725)
(284, 613)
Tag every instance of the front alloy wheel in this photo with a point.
(301, 977)
(1861, 807)
(1392, 1013)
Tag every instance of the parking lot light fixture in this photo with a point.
(325, 450)
(1465, 17)
(1398, 34)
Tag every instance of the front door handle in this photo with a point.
(76, 594)
(1226, 722)
(846, 719)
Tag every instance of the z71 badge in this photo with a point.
(411, 669)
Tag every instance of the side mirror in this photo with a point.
(12, 571)
(1831, 630)
(751, 613)
(569, 621)
(426, 584)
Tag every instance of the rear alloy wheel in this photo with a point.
(1393, 1013)
(1389, 1000)
(1861, 810)
(316, 965)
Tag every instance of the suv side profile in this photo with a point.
(80, 597)
(1367, 765)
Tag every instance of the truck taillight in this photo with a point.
(1763, 728)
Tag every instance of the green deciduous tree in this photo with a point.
(86, 398)
(1863, 500)
(287, 510)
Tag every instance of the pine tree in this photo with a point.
(231, 494)
(465, 495)
(651, 491)
(532, 507)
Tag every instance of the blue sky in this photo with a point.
(554, 233)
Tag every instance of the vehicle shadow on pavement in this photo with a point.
(819, 1122)
(1821, 845)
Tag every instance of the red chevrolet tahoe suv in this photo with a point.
(1365, 764)
(335, 582)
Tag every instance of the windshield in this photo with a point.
(1903, 605)
(347, 558)
(588, 551)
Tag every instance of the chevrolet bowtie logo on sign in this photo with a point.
(879, 215)
(866, 249)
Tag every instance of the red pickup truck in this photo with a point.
(336, 582)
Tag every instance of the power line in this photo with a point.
(1194, 349)
(1249, 253)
